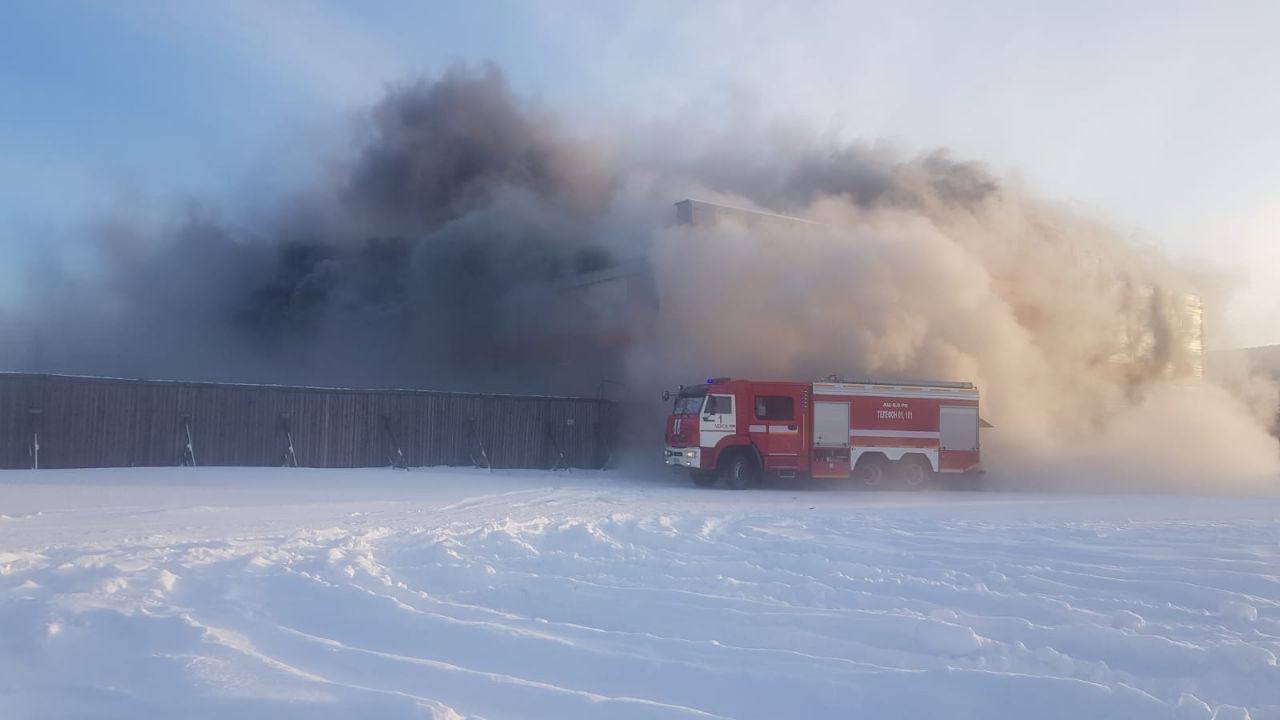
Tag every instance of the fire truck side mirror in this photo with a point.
(666, 395)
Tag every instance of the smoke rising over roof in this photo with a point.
(428, 262)
(438, 256)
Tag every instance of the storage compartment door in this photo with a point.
(958, 428)
(831, 424)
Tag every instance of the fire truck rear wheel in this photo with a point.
(913, 471)
(702, 478)
(740, 472)
(873, 471)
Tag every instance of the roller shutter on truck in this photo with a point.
(958, 428)
(831, 424)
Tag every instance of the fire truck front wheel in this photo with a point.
(739, 472)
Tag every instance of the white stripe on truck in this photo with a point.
(868, 432)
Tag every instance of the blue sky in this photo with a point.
(1158, 115)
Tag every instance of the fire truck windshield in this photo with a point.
(688, 405)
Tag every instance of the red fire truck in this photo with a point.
(904, 433)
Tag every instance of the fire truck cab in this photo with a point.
(909, 434)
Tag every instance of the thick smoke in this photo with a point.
(437, 259)
(468, 239)
(930, 268)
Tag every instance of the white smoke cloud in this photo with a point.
(1026, 299)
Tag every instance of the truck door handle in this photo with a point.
(791, 427)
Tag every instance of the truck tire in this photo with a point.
(740, 472)
(913, 472)
(702, 478)
(873, 472)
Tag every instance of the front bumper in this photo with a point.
(683, 457)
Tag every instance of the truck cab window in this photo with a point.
(775, 407)
(718, 405)
(688, 405)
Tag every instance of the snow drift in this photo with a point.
(282, 593)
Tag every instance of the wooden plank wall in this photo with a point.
(99, 422)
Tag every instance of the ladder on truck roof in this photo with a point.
(901, 383)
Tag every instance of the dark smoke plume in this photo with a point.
(436, 261)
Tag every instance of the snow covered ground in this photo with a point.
(264, 593)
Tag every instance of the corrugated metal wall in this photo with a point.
(98, 422)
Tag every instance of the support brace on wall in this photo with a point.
(559, 462)
(34, 417)
(481, 460)
(289, 457)
(188, 457)
(396, 458)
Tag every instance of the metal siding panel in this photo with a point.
(14, 414)
(88, 422)
(19, 394)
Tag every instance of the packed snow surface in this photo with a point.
(278, 593)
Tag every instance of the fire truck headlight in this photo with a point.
(690, 454)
